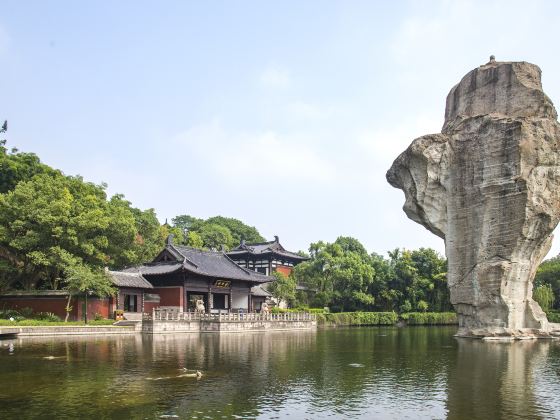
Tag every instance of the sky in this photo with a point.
(285, 115)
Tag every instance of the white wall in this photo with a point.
(239, 301)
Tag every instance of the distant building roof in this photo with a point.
(129, 279)
(260, 290)
(197, 261)
(263, 248)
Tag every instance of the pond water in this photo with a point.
(369, 373)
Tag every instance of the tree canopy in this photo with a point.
(344, 276)
(215, 232)
(51, 223)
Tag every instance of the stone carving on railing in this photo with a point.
(200, 309)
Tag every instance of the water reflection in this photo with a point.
(343, 373)
(504, 380)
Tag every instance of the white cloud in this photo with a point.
(262, 156)
(275, 77)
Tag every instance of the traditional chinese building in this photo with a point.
(265, 257)
(181, 275)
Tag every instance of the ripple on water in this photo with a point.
(352, 373)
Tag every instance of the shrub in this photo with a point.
(544, 295)
(316, 311)
(430, 318)
(277, 310)
(357, 318)
(9, 313)
(47, 316)
(553, 316)
(98, 317)
(26, 312)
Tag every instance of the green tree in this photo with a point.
(194, 240)
(544, 295)
(340, 274)
(422, 306)
(187, 223)
(51, 221)
(214, 236)
(17, 166)
(238, 229)
(80, 279)
(549, 273)
(283, 288)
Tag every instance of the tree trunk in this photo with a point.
(68, 307)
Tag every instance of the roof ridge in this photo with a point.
(126, 273)
(237, 265)
(185, 259)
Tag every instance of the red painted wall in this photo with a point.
(284, 270)
(149, 306)
(57, 305)
(94, 306)
(169, 296)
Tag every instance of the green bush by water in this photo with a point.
(430, 318)
(357, 318)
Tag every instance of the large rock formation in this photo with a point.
(489, 185)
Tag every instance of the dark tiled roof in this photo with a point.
(271, 247)
(128, 279)
(216, 264)
(260, 290)
(159, 268)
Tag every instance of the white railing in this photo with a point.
(225, 316)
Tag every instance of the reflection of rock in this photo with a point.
(497, 380)
(489, 184)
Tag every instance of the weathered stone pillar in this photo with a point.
(489, 185)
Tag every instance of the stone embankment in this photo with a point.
(160, 322)
(73, 330)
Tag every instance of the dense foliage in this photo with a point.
(548, 274)
(358, 318)
(215, 232)
(430, 318)
(343, 276)
(53, 226)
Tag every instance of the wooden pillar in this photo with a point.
(250, 303)
(209, 302)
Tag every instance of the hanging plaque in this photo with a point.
(222, 283)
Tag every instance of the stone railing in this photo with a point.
(225, 316)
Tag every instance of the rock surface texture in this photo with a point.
(489, 185)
